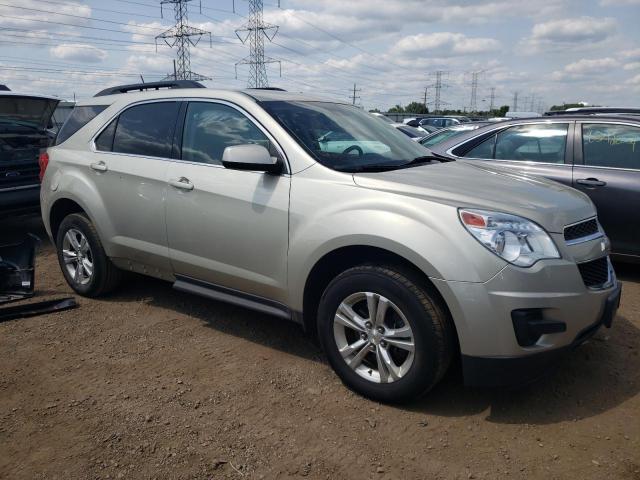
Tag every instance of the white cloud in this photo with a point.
(78, 52)
(632, 66)
(573, 30)
(444, 44)
(596, 65)
(16, 17)
(618, 3)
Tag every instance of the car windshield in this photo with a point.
(442, 135)
(343, 137)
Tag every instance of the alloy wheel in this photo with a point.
(374, 337)
(77, 255)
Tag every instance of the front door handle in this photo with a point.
(182, 183)
(99, 166)
(591, 182)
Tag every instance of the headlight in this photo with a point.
(516, 239)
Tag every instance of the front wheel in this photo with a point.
(84, 263)
(386, 335)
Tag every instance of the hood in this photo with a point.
(30, 111)
(462, 184)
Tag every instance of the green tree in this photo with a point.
(396, 109)
(416, 107)
(502, 111)
(374, 110)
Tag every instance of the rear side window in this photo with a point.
(146, 130)
(79, 117)
(609, 145)
(104, 142)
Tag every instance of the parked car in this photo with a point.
(61, 114)
(399, 261)
(412, 132)
(597, 155)
(443, 122)
(595, 111)
(24, 122)
(450, 132)
(383, 117)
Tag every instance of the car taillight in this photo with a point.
(43, 160)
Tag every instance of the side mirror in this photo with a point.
(250, 157)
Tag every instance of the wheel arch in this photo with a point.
(340, 259)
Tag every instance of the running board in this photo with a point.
(234, 297)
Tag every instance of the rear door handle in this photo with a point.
(100, 166)
(591, 182)
(182, 183)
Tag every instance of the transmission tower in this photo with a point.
(473, 106)
(426, 92)
(183, 36)
(492, 99)
(438, 86)
(254, 32)
(515, 101)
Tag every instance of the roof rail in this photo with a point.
(140, 87)
(593, 111)
(277, 89)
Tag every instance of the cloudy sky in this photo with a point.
(549, 51)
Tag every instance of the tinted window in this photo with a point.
(483, 150)
(104, 142)
(441, 136)
(209, 128)
(146, 129)
(611, 145)
(537, 143)
(79, 117)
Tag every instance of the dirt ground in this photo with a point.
(153, 383)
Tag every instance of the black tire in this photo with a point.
(433, 333)
(105, 276)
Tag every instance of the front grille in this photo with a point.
(595, 273)
(580, 230)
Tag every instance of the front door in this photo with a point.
(608, 170)
(227, 227)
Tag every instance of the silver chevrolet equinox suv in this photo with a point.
(317, 212)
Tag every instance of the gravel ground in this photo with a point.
(153, 383)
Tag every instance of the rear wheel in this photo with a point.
(386, 335)
(84, 263)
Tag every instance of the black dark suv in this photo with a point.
(24, 122)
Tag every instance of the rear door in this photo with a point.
(607, 168)
(129, 168)
(540, 149)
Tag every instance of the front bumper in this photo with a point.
(492, 352)
(513, 371)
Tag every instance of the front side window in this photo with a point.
(536, 142)
(609, 145)
(79, 117)
(209, 128)
(146, 129)
(343, 137)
